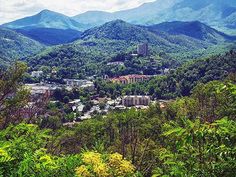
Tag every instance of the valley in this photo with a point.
(147, 91)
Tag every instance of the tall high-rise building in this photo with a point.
(142, 49)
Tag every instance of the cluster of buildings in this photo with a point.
(41, 89)
(36, 74)
(121, 103)
(128, 101)
(116, 63)
(48, 89)
(130, 79)
(85, 84)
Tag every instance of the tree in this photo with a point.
(198, 149)
(13, 96)
(66, 99)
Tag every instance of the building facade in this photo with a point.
(37, 74)
(130, 79)
(135, 100)
(74, 82)
(142, 49)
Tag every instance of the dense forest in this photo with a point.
(190, 136)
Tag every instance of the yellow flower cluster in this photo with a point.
(101, 170)
(115, 159)
(99, 165)
(82, 171)
(121, 167)
(91, 158)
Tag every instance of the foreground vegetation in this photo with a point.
(191, 136)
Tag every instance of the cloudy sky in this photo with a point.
(14, 9)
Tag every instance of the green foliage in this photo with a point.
(13, 97)
(184, 79)
(198, 149)
(17, 141)
(23, 154)
(191, 136)
(97, 46)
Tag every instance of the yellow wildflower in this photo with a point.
(91, 158)
(101, 170)
(121, 167)
(115, 160)
(126, 167)
(82, 171)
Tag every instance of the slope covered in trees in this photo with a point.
(178, 82)
(51, 36)
(193, 136)
(14, 45)
(100, 45)
(193, 29)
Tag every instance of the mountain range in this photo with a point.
(111, 38)
(216, 13)
(219, 14)
(194, 29)
(98, 45)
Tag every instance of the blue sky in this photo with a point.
(14, 9)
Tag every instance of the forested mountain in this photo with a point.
(120, 30)
(14, 45)
(45, 19)
(51, 36)
(217, 13)
(193, 29)
(98, 45)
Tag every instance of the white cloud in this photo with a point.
(14, 9)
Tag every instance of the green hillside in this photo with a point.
(15, 46)
(99, 45)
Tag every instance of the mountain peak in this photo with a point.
(49, 12)
(46, 11)
(45, 19)
(115, 22)
(119, 30)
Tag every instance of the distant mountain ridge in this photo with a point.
(220, 14)
(45, 19)
(119, 36)
(193, 29)
(98, 45)
(217, 13)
